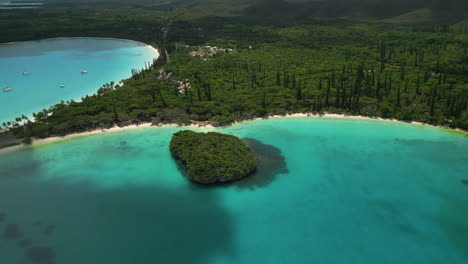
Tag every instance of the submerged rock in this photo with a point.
(3, 216)
(41, 255)
(213, 157)
(49, 229)
(24, 243)
(12, 232)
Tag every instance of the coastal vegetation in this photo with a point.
(213, 157)
(263, 66)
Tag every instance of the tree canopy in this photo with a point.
(414, 72)
(213, 157)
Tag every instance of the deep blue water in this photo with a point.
(55, 62)
(327, 191)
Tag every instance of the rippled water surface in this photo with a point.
(327, 191)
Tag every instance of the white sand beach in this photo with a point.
(37, 142)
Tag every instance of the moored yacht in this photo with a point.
(62, 86)
(7, 89)
(25, 73)
(83, 71)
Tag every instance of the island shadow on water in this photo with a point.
(270, 164)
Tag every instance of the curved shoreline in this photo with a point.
(152, 52)
(16, 42)
(45, 141)
(153, 49)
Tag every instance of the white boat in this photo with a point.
(83, 71)
(7, 89)
(62, 86)
(25, 73)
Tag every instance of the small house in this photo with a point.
(183, 87)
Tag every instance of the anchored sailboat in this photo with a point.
(25, 72)
(7, 89)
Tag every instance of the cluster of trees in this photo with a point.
(442, 10)
(379, 70)
(77, 20)
(213, 157)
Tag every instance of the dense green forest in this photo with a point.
(261, 66)
(213, 157)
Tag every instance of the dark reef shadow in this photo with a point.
(20, 163)
(3, 216)
(452, 216)
(24, 243)
(131, 224)
(49, 229)
(40, 255)
(464, 182)
(12, 232)
(125, 224)
(270, 164)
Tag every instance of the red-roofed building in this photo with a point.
(183, 87)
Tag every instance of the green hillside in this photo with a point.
(418, 16)
(396, 11)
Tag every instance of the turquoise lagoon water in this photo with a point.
(327, 191)
(55, 62)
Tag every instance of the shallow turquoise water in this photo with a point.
(327, 191)
(55, 62)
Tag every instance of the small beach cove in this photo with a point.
(40, 74)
